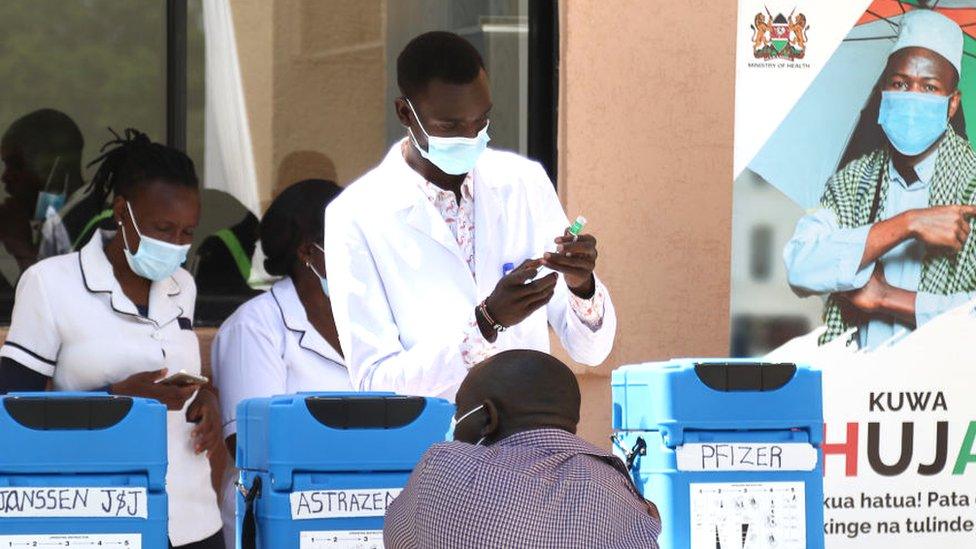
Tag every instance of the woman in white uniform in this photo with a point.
(117, 316)
(283, 341)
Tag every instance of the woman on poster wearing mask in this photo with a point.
(117, 316)
(283, 341)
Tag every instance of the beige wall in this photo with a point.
(645, 152)
(329, 85)
(314, 79)
(253, 29)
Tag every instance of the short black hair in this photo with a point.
(132, 160)
(295, 217)
(437, 55)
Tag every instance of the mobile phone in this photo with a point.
(183, 378)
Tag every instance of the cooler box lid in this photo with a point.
(53, 433)
(311, 432)
(717, 394)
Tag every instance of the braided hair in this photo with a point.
(132, 160)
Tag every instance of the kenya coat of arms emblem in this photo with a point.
(779, 37)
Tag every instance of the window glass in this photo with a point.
(69, 71)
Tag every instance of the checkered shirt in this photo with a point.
(544, 488)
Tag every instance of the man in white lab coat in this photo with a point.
(434, 256)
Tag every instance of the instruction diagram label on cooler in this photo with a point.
(342, 539)
(748, 515)
(84, 541)
(73, 502)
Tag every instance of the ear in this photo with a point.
(403, 111)
(120, 212)
(306, 253)
(954, 101)
(491, 427)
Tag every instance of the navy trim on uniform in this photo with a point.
(281, 310)
(31, 353)
(84, 280)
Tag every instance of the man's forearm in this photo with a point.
(898, 304)
(885, 235)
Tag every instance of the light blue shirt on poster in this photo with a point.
(823, 258)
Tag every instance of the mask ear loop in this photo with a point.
(465, 416)
(417, 118)
(413, 138)
(309, 263)
(125, 239)
(135, 226)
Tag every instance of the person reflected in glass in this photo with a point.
(41, 153)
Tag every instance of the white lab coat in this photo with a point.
(403, 295)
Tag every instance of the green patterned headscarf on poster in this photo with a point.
(862, 187)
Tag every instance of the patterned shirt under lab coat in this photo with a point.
(459, 217)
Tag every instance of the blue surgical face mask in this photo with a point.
(155, 259)
(913, 121)
(452, 155)
(48, 201)
(325, 281)
(49, 198)
(449, 436)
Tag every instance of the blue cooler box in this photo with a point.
(82, 470)
(319, 469)
(728, 450)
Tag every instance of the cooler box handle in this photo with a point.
(67, 413)
(745, 376)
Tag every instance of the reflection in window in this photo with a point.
(69, 70)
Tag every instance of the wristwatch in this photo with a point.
(483, 307)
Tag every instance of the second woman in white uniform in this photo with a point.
(283, 341)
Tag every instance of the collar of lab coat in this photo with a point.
(405, 196)
(295, 319)
(98, 277)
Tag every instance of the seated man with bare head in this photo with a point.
(517, 475)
